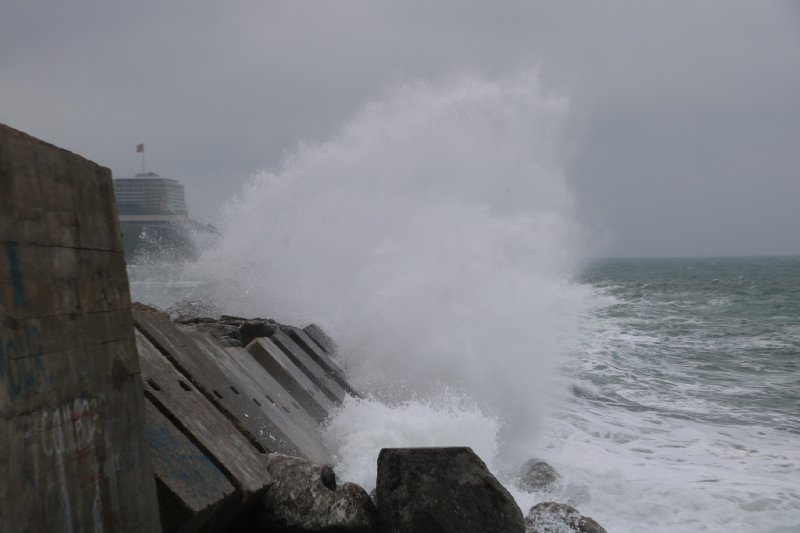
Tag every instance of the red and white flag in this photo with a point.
(139, 148)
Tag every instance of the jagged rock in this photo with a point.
(303, 498)
(536, 475)
(442, 490)
(552, 517)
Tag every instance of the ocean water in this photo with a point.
(683, 411)
(436, 238)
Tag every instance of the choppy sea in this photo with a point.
(684, 412)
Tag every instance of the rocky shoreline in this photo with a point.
(418, 490)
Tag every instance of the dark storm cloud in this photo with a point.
(685, 123)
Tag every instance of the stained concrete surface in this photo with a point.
(71, 404)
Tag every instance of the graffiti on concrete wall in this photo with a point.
(70, 428)
(69, 450)
(15, 274)
(21, 365)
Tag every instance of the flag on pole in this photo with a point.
(140, 148)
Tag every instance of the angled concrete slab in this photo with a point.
(319, 355)
(189, 409)
(193, 361)
(322, 339)
(310, 368)
(250, 380)
(260, 379)
(265, 426)
(279, 366)
(191, 489)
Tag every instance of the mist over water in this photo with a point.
(434, 237)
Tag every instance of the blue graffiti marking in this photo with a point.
(21, 365)
(16, 274)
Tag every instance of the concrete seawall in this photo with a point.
(72, 413)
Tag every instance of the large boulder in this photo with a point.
(551, 517)
(536, 475)
(302, 497)
(442, 490)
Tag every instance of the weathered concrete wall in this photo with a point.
(71, 405)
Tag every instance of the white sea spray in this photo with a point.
(434, 237)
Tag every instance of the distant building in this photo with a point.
(147, 195)
(150, 207)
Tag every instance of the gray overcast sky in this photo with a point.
(683, 139)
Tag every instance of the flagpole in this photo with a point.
(140, 149)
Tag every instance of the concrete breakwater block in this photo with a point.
(198, 364)
(323, 340)
(231, 331)
(74, 457)
(197, 417)
(249, 379)
(442, 490)
(319, 356)
(318, 375)
(273, 391)
(191, 489)
(280, 367)
(192, 439)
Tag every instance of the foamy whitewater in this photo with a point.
(436, 239)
